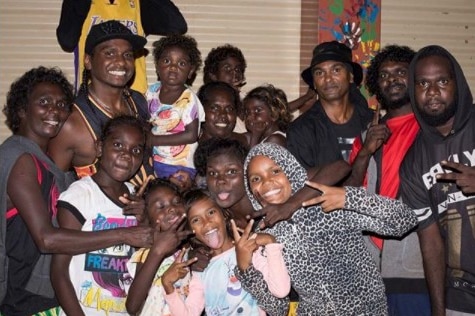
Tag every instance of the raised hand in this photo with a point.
(135, 206)
(331, 198)
(178, 270)
(245, 245)
(462, 175)
(376, 135)
(166, 242)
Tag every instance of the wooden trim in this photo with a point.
(308, 35)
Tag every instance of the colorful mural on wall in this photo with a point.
(357, 23)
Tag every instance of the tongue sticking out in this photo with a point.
(212, 239)
(223, 196)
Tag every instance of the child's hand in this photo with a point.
(134, 205)
(245, 245)
(178, 270)
(263, 239)
(331, 198)
(202, 255)
(274, 213)
(167, 241)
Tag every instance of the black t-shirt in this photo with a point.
(443, 202)
(346, 134)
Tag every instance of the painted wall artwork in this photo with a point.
(357, 23)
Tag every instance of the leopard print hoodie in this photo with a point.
(325, 254)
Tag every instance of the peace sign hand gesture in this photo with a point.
(331, 198)
(463, 176)
(245, 245)
(178, 270)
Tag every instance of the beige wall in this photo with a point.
(268, 32)
(419, 23)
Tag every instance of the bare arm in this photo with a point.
(63, 147)
(277, 139)
(304, 102)
(60, 277)
(376, 136)
(165, 243)
(188, 136)
(433, 258)
(255, 132)
(143, 279)
(25, 194)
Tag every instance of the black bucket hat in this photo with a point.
(112, 29)
(332, 51)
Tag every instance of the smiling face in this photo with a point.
(174, 66)
(121, 153)
(435, 90)
(220, 112)
(206, 219)
(332, 80)
(164, 205)
(393, 79)
(225, 180)
(46, 112)
(258, 116)
(112, 63)
(267, 181)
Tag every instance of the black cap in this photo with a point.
(111, 30)
(332, 51)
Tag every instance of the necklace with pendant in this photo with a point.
(107, 108)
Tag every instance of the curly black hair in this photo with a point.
(276, 100)
(394, 53)
(21, 89)
(156, 184)
(217, 55)
(204, 93)
(159, 183)
(124, 120)
(185, 42)
(216, 146)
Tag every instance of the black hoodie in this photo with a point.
(443, 201)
